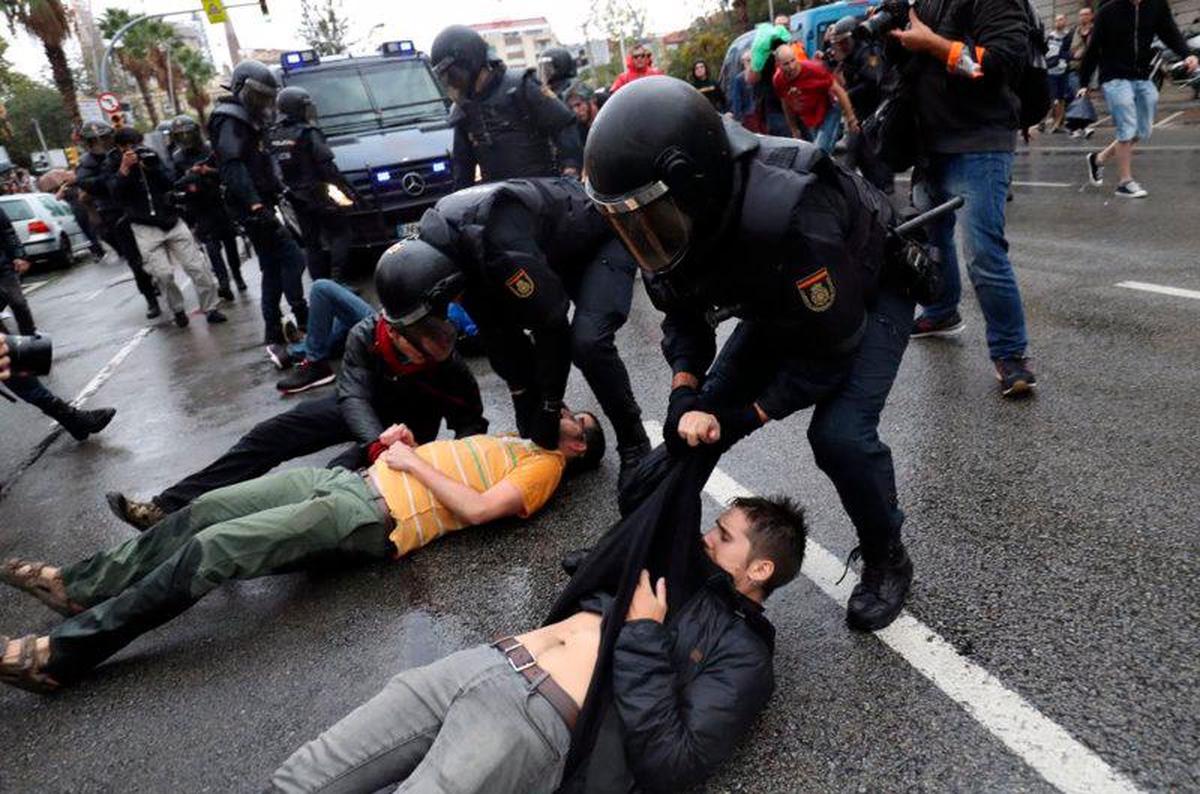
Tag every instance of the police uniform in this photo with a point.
(207, 214)
(307, 166)
(515, 128)
(864, 73)
(91, 176)
(249, 176)
(529, 248)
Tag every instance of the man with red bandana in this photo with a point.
(390, 375)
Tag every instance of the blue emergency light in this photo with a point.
(398, 49)
(299, 58)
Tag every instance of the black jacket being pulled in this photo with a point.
(958, 113)
(668, 702)
(373, 397)
(1121, 40)
(803, 260)
(514, 128)
(143, 193)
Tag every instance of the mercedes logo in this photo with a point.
(413, 183)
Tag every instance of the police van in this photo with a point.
(385, 117)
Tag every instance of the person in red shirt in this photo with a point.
(640, 63)
(806, 88)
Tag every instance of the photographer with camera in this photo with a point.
(142, 185)
(963, 60)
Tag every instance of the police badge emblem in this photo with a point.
(520, 284)
(817, 291)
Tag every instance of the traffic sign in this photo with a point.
(108, 102)
(216, 11)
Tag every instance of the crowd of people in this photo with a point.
(656, 658)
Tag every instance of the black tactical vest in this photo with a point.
(502, 131)
(294, 153)
(92, 166)
(254, 152)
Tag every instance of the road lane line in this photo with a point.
(1018, 183)
(108, 369)
(1161, 290)
(1084, 149)
(1058, 757)
(1169, 118)
(29, 289)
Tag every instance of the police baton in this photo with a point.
(929, 216)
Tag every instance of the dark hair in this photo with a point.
(777, 533)
(126, 135)
(593, 438)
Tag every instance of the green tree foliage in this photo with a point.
(706, 44)
(322, 27)
(47, 21)
(23, 100)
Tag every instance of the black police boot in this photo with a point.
(152, 308)
(80, 424)
(631, 456)
(879, 596)
(301, 313)
(223, 290)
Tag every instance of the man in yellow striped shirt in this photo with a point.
(303, 517)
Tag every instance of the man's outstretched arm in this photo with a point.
(468, 505)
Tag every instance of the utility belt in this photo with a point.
(522, 662)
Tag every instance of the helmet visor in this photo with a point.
(259, 98)
(434, 336)
(657, 232)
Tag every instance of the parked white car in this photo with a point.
(47, 228)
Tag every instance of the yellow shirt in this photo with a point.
(479, 462)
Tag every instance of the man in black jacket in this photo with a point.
(507, 124)
(771, 231)
(12, 266)
(91, 176)
(689, 674)
(237, 131)
(141, 184)
(529, 248)
(969, 54)
(1121, 47)
(386, 379)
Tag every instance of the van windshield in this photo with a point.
(372, 96)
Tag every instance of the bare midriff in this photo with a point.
(567, 651)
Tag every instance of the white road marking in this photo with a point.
(1018, 183)
(1062, 760)
(1169, 118)
(1083, 149)
(29, 289)
(93, 295)
(1100, 121)
(1161, 290)
(108, 369)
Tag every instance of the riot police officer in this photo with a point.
(237, 129)
(528, 249)
(861, 65)
(205, 209)
(92, 176)
(508, 125)
(773, 232)
(557, 70)
(306, 163)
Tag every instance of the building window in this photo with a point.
(512, 39)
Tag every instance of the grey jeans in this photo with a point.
(466, 723)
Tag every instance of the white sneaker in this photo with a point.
(1131, 189)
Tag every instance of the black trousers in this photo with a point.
(327, 238)
(11, 296)
(213, 243)
(282, 264)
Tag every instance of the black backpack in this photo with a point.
(1032, 88)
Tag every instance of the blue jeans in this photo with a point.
(982, 179)
(848, 394)
(332, 311)
(827, 134)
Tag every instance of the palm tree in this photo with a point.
(48, 21)
(158, 39)
(133, 54)
(197, 72)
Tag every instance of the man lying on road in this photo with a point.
(499, 718)
(302, 518)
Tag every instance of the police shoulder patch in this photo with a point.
(520, 284)
(817, 291)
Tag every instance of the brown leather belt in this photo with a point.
(522, 661)
(389, 521)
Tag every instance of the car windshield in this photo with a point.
(16, 209)
(372, 95)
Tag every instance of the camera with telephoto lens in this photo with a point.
(892, 15)
(29, 355)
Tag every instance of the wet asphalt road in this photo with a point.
(1055, 540)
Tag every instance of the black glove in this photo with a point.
(262, 221)
(682, 400)
(915, 268)
(545, 427)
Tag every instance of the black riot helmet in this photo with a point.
(296, 104)
(458, 54)
(555, 64)
(96, 136)
(660, 170)
(844, 28)
(254, 85)
(185, 132)
(415, 283)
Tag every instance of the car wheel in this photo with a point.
(62, 258)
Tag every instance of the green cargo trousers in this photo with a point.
(280, 522)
